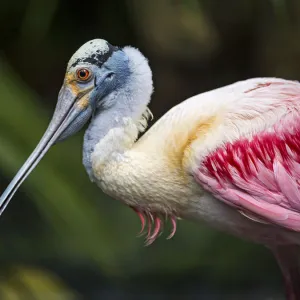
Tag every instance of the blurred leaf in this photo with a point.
(37, 20)
(180, 30)
(280, 9)
(30, 283)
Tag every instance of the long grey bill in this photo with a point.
(62, 117)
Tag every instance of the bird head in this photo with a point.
(95, 74)
(96, 70)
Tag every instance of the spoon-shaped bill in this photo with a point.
(65, 113)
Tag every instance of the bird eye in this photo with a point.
(83, 74)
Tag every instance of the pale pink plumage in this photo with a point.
(260, 174)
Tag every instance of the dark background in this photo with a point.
(61, 237)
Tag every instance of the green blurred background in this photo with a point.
(61, 237)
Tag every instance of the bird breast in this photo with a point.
(145, 181)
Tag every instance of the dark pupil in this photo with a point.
(82, 73)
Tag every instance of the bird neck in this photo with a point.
(109, 135)
(114, 129)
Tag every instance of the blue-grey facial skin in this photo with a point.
(105, 80)
(111, 77)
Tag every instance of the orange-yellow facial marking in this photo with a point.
(70, 80)
(83, 102)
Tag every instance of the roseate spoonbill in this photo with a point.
(229, 157)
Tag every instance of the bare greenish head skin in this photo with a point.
(95, 75)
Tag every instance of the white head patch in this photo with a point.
(87, 50)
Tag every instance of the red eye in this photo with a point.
(83, 74)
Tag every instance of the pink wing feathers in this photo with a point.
(260, 175)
